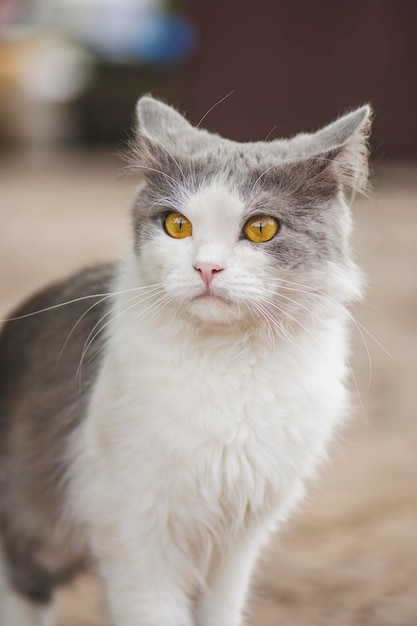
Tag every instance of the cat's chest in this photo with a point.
(213, 390)
(244, 431)
(252, 403)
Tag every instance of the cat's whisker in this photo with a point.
(365, 343)
(349, 364)
(175, 161)
(285, 162)
(92, 357)
(263, 315)
(278, 324)
(190, 145)
(142, 317)
(150, 288)
(288, 315)
(136, 297)
(296, 303)
(165, 304)
(216, 104)
(270, 132)
(286, 331)
(360, 329)
(357, 324)
(134, 166)
(90, 339)
(156, 308)
(164, 202)
(358, 393)
(88, 342)
(74, 300)
(191, 166)
(77, 323)
(296, 321)
(105, 343)
(168, 299)
(75, 326)
(322, 295)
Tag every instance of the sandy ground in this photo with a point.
(349, 557)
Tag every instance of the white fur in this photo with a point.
(205, 422)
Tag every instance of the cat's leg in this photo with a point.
(146, 588)
(223, 601)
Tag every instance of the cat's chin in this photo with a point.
(211, 308)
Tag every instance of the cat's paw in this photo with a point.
(215, 617)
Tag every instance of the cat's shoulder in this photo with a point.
(40, 325)
(60, 296)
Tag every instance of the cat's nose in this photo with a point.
(207, 271)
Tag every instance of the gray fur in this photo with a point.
(41, 402)
(302, 181)
(163, 134)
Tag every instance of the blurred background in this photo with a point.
(70, 74)
(71, 70)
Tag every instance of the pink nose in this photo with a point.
(207, 271)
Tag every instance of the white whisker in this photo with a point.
(214, 106)
(270, 132)
(321, 296)
(90, 339)
(148, 288)
(175, 161)
(135, 166)
(108, 341)
(284, 162)
(73, 301)
(355, 382)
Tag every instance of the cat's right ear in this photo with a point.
(343, 143)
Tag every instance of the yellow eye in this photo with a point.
(261, 228)
(177, 226)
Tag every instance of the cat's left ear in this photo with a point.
(161, 125)
(344, 143)
(158, 121)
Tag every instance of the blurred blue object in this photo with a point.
(156, 37)
(55, 52)
(163, 38)
(141, 31)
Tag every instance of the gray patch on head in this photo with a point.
(301, 181)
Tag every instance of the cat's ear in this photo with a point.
(163, 126)
(344, 144)
(158, 121)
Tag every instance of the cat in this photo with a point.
(160, 416)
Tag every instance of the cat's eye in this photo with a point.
(261, 228)
(178, 226)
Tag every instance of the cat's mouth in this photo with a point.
(214, 307)
(210, 297)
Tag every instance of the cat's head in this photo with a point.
(242, 231)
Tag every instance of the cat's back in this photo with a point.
(42, 343)
(44, 392)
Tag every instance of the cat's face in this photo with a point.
(245, 231)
